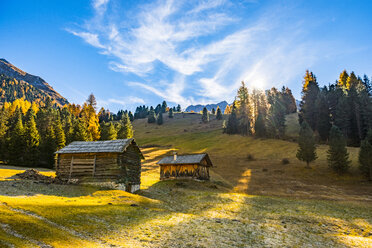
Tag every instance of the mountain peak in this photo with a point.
(12, 71)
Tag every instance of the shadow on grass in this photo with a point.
(30, 188)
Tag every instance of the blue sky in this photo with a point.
(140, 52)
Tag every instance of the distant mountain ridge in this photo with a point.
(199, 107)
(37, 84)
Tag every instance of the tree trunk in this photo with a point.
(370, 172)
(308, 164)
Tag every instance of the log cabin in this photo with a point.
(117, 161)
(195, 166)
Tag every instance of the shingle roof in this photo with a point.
(185, 159)
(112, 146)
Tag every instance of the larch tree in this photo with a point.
(338, 157)
(306, 145)
(91, 101)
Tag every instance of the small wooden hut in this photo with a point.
(116, 161)
(194, 166)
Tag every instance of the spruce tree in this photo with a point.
(126, 129)
(205, 115)
(365, 156)
(170, 113)
(324, 119)
(306, 151)
(178, 108)
(310, 91)
(159, 121)
(32, 139)
(232, 126)
(260, 126)
(59, 135)
(219, 114)
(16, 140)
(213, 111)
(244, 111)
(338, 157)
(151, 118)
(80, 131)
(164, 107)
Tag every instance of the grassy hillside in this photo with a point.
(248, 203)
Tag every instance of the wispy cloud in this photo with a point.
(206, 50)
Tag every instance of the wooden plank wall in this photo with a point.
(130, 161)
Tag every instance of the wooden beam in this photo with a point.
(72, 162)
(94, 165)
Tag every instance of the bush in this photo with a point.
(285, 161)
(250, 157)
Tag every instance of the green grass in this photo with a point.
(242, 206)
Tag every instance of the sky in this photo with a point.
(130, 53)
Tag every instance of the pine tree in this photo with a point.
(178, 108)
(151, 118)
(170, 113)
(205, 115)
(213, 111)
(338, 157)
(365, 156)
(32, 139)
(219, 114)
(306, 151)
(159, 121)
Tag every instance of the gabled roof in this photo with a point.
(107, 146)
(186, 159)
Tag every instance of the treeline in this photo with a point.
(346, 104)
(31, 133)
(259, 113)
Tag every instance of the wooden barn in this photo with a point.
(116, 161)
(194, 166)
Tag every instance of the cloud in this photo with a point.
(206, 47)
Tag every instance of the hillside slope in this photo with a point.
(11, 72)
(255, 166)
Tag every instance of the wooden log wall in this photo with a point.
(184, 171)
(130, 161)
(106, 166)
